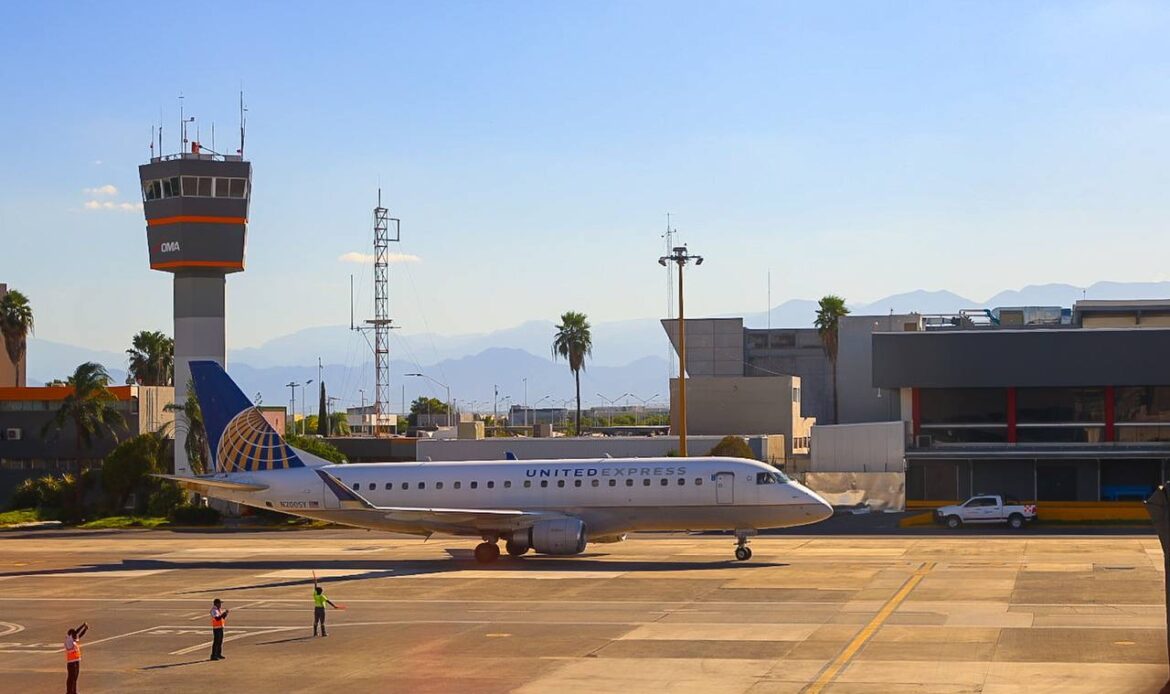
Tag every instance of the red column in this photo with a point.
(1110, 415)
(1011, 415)
(915, 412)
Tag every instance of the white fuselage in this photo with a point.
(612, 495)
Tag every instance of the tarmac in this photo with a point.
(995, 612)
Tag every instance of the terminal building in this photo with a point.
(1040, 403)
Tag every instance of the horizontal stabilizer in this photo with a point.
(189, 482)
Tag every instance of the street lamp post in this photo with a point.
(292, 402)
(525, 379)
(448, 389)
(305, 410)
(644, 402)
(535, 419)
(681, 257)
(611, 404)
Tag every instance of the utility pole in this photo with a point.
(292, 403)
(679, 256)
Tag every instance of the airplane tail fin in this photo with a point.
(240, 438)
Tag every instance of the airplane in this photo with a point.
(550, 507)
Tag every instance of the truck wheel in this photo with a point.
(954, 522)
(1016, 521)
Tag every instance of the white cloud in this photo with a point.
(368, 258)
(111, 205)
(107, 189)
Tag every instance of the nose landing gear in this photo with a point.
(742, 551)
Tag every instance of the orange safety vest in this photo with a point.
(73, 655)
(217, 622)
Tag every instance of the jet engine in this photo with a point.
(559, 536)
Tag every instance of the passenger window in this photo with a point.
(237, 187)
(507, 484)
(698, 481)
(205, 186)
(646, 482)
(475, 485)
(613, 483)
(682, 481)
(560, 483)
(221, 187)
(438, 485)
(543, 484)
(596, 483)
(491, 484)
(356, 486)
(422, 485)
(665, 481)
(373, 486)
(389, 486)
(458, 484)
(527, 484)
(629, 483)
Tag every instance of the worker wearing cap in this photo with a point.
(73, 657)
(218, 620)
(319, 603)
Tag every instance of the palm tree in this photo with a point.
(16, 324)
(90, 410)
(574, 342)
(830, 309)
(198, 452)
(152, 359)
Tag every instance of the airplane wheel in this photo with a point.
(515, 550)
(743, 553)
(487, 552)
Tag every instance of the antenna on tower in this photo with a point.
(381, 324)
(243, 122)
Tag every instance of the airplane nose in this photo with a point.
(824, 510)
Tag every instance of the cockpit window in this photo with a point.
(770, 478)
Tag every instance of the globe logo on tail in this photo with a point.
(250, 444)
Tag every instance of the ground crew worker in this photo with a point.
(319, 602)
(218, 619)
(73, 657)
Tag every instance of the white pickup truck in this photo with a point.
(986, 508)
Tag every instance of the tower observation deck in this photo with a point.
(196, 207)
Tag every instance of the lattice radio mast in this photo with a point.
(381, 324)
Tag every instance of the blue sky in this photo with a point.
(532, 150)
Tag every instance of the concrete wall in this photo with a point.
(584, 447)
(880, 491)
(794, 352)
(874, 447)
(714, 345)
(858, 400)
(719, 406)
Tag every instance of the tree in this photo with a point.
(318, 447)
(574, 342)
(198, 452)
(732, 447)
(90, 410)
(424, 405)
(830, 309)
(126, 468)
(152, 359)
(339, 424)
(16, 324)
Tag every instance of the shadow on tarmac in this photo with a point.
(460, 560)
(171, 665)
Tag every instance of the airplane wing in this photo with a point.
(455, 520)
(190, 482)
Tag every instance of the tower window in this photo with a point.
(237, 187)
(204, 187)
(221, 187)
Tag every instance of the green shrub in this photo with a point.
(190, 514)
(318, 447)
(163, 500)
(27, 495)
(732, 447)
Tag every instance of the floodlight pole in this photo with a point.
(681, 257)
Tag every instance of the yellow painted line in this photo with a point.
(831, 672)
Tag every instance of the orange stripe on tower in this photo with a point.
(198, 263)
(201, 219)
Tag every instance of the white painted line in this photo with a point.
(115, 573)
(322, 573)
(10, 628)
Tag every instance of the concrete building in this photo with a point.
(858, 401)
(11, 374)
(742, 405)
(361, 421)
(723, 347)
(1044, 410)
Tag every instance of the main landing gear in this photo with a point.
(742, 551)
(487, 552)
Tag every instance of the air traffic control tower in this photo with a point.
(196, 206)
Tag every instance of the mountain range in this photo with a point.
(629, 356)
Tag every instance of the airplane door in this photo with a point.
(725, 487)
